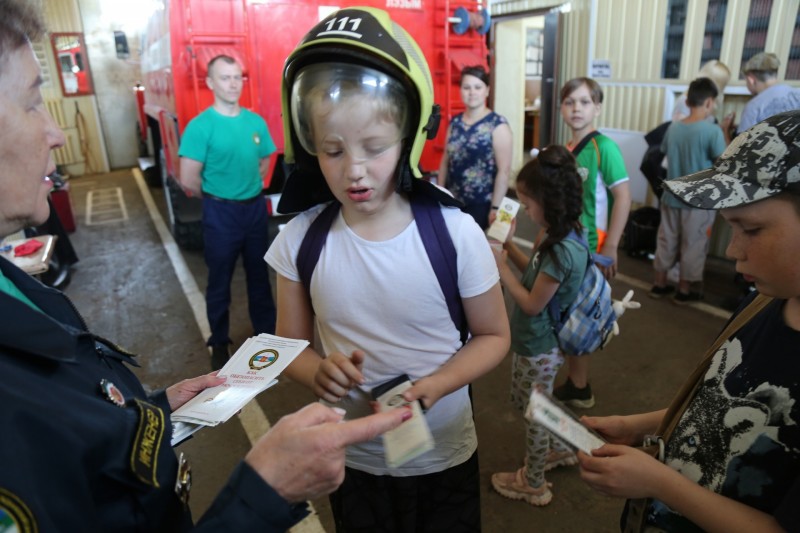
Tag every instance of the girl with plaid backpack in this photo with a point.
(549, 187)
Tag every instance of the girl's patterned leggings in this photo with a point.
(528, 372)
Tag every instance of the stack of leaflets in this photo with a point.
(562, 422)
(252, 369)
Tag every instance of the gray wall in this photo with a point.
(113, 77)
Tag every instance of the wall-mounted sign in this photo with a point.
(601, 68)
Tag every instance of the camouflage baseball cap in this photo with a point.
(761, 162)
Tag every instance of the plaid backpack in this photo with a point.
(584, 326)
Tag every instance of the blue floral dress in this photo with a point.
(472, 167)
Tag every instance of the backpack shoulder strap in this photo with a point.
(586, 140)
(636, 515)
(313, 241)
(692, 383)
(442, 255)
(554, 305)
(596, 149)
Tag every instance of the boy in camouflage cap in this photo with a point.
(733, 461)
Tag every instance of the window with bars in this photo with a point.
(715, 24)
(673, 38)
(793, 63)
(755, 37)
(534, 53)
(41, 56)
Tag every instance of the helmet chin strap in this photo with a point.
(403, 174)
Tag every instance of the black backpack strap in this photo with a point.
(586, 140)
(442, 255)
(314, 240)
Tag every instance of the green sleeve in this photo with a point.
(267, 146)
(612, 164)
(194, 141)
(718, 145)
(550, 267)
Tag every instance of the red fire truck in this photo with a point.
(183, 36)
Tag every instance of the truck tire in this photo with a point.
(152, 175)
(142, 145)
(186, 225)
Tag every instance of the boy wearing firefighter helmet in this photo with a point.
(357, 109)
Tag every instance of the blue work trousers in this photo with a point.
(231, 229)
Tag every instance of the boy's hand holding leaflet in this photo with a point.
(559, 420)
(252, 369)
(412, 438)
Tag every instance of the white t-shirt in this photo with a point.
(384, 298)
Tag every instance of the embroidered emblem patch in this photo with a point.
(15, 516)
(256, 138)
(112, 393)
(262, 359)
(147, 444)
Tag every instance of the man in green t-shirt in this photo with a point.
(224, 154)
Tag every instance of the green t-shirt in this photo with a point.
(533, 335)
(599, 177)
(9, 288)
(690, 148)
(230, 149)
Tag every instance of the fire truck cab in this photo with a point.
(185, 35)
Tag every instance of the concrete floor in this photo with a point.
(128, 291)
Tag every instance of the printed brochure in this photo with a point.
(252, 369)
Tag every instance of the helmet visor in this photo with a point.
(348, 107)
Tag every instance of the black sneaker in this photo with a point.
(220, 353)
(683, 298)
(659, 292)
(571, 395)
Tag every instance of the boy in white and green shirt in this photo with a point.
(606, 204)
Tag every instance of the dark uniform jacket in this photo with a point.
(72, 460)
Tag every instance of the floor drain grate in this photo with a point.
(105, 206)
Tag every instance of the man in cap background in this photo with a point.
(761, 74)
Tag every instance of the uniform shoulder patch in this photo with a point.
(15, 515)
(147, 444)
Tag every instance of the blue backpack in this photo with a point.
(586, 324)
(435, 237)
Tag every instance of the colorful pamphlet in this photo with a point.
(550, 413)
(412, 438)
(506, 212)
(252, 369)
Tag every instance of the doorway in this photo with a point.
(524, 63)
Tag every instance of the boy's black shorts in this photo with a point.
(444, 501)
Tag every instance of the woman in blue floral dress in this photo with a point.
(477, 160)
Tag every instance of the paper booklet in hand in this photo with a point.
(553, 415)
(252, 369)
(506, 212)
